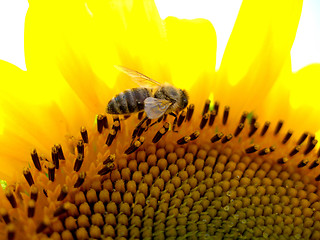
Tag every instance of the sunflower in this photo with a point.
(241, 163)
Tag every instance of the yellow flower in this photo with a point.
(226, 172)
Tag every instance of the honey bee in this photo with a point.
(152, 97)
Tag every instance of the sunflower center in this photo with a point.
(215, 177)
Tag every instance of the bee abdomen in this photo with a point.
(129, 101)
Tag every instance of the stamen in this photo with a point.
(287, 137)
(100, 123)
(110, 158)
(283, 160)
(212, 117)
(78, 163)
(10, 197)
(239, 129)
(204, 120)
(141, 129)
(253, 148)
(295, 150)
(116, 123)
(226, 138)
(310, 146)
(278, 127)
(243, 117)
(272, 148)
(265, 128)
(80, 147)
(4, 214)
(51, 171)
(225, 115)
(105, 122)
(111, 137)
(35, 159)
(34, 192)
(315, 163)
(62, 209)
(190, 111)
(194, 135)
(28, 176)
(254, 128)
(11, 231)
(80, 179)
(303, 163)
(264, 151)
(206, 107)
(184, 140)
(164, 117)
(140, 115)
(302, 138)
(84, 134)
(217, 137)
(133, 147)
(54, 156)
(43, 225)
(60, 152)
(126, 116)
(31, 208)
(63, 193)
(158, 135)
(216, 106)
(109, 167)
(181, 118)
(317, 178)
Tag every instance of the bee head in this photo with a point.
(184, 98)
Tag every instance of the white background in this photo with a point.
(222, 14)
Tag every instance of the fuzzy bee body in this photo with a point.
(152, 97)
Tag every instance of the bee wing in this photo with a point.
(139, 78)
(155, 107)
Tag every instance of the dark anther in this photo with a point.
(164, 117)
(264, 151)
(80, 147)
(78, 163)
(60, 152)
(315, 163)
(302, 138)
(217, 137)
(115, 120)
(4, 214)
(216, 106)
(265, 128)
(184, 140)
(194, 135)
(84, 134)
(212, 117)
(51, 171)
(310, 146)
(43, 225)
(126, 116)
(11, 231)
(63, 193)
(141, 129)
(253, 148)
(133, 147)
(28, 176)
(287, 137)
(253, 129)
(140, 115)
(243, 117)
(204, 120)
(35, 159)
(225, 115)
(10, 197)
(181, 118)
(80, 179)
(110, 158)
(158, 135)
(272, 148)
(109, 167)
(136, 130)
(317, 178)
(190, 111)
(62, 209)
(226, 138)
(278, 127)
(100, 123)
(105, 122)
(239, 129)
(111, 137)
(148, 122)
(55, 157)
(283, 160)
(303, 163)
(45, 192)
(31, 208)
(206, 107)
(34, 193)
(311, 138)
(295, 150)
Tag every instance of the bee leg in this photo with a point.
(136, 130)
(174, 121)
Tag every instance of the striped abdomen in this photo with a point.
(129, 101)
